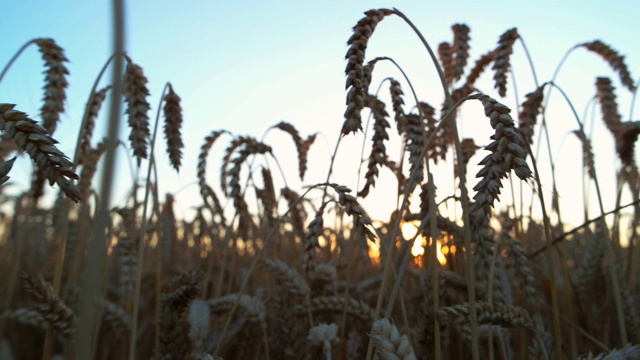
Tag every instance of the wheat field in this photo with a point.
(285, 272)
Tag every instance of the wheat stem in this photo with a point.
(95, 267)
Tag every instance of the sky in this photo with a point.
(244, 66)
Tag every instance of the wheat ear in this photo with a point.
(531, 108)
(356, 80)
(615, 60)
(55, 83)
(460, 49)
(35, 141)
(323, 336)
(378, 149)
(445, 53)
(302, 146)
(134, 88)
(93, 107)
(49, 304)
(501, 61)
(506, 154)
(172, 126)
(206, 191)
(390, 345)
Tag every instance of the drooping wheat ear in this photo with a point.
(55, 83)
(324, 273)
(95, 102)
(314, 231)
(469, 149)
(489, 314)
(115, 319)
(89, 167)
(127, 251)
(206, 191)
(531, 108)
(477, 70)
(415, 142)
(356, 80)
(5, 167)
(172, 126)
(625, 133)
(35, 141)
(267, 197)
(460, 49)
(250, 307)
(228, 153)
(297, 212)
(518, 262)
(608, 105)
(625, 142)
(323, 336)
(290, 279)
(27, 316)
(302, 146)
(483, 259)
(506, 154)
(49, 304)
(627, 352)
(501, 62)
(352, 208)
(378, 149)
(287, 336)
(396, 100)
(174, 328)
(337, 304)
(390, 345)
(615, 60)
(587, 153)
(443, 137)
(134, 88)
(169, 231)
(37, 184)
(445, 53)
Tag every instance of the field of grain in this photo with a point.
(266, 272)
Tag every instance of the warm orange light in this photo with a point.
(409, 231)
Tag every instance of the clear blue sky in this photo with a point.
(245, 65)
